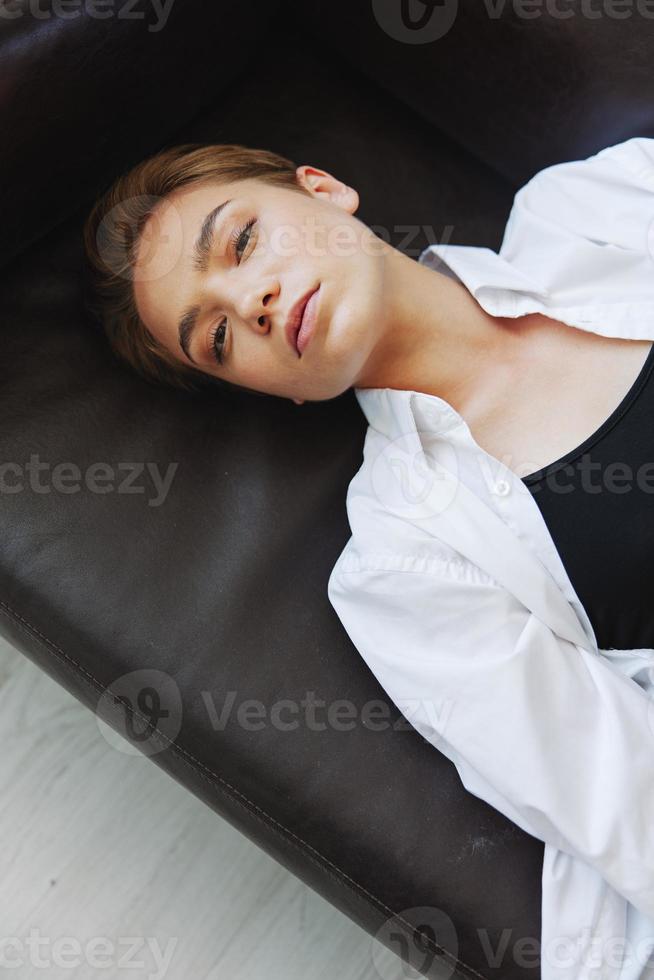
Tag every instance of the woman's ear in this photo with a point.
(323, 184)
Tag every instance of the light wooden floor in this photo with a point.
(101, 845)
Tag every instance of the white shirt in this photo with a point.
(453, 592)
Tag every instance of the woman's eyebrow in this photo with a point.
(204, 241)
(201, 251)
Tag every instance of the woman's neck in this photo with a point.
(435, 337)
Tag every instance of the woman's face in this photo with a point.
(270, 247)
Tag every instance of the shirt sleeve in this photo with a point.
(595, 214)
(547, 732)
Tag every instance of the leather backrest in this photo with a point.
(522, 84)
(82, 99)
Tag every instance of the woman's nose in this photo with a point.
(263, 319)
(253, 307)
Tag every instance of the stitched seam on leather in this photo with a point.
(323, 862)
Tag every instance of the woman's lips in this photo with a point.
(308, 322)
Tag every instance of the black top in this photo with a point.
(598, 504)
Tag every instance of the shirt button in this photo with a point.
(503, 487)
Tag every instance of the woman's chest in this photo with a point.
(559, 385)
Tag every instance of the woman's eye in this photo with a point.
(218, 341)
(242, 237)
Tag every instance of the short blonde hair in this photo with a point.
(111, 237)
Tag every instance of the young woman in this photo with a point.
(497, 577)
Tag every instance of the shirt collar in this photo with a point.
(491, 279)
(395, 412)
